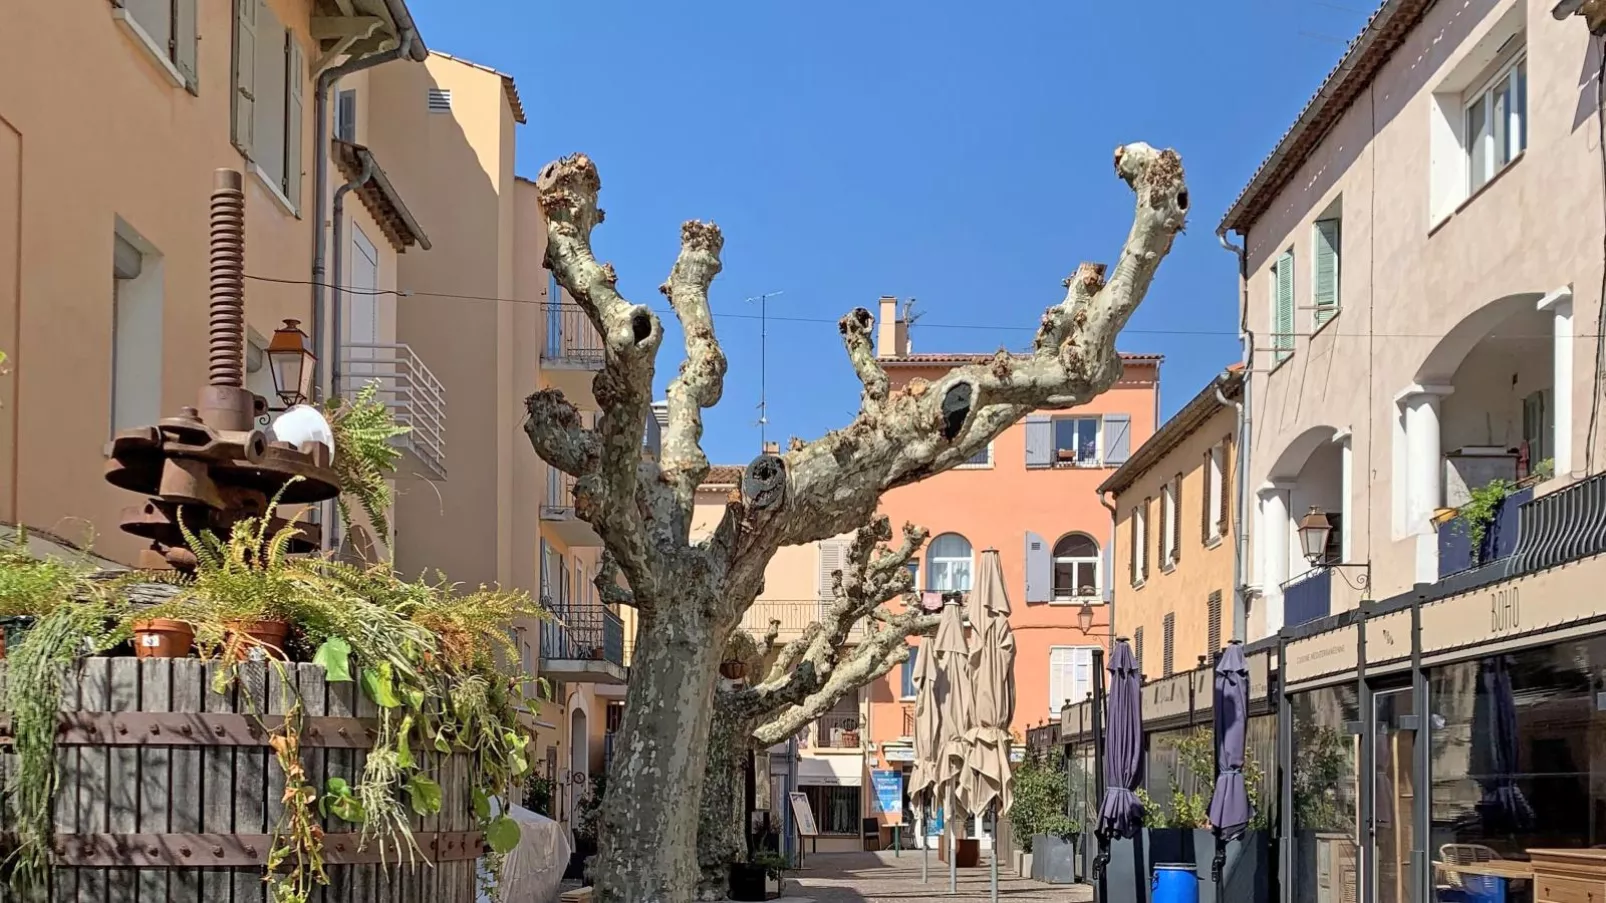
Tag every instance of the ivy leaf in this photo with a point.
(441, 745)
(502, 834)
(482, 804)
(337, 787)
(404, 753)
(424, 794)
(380, 686)
(347, 808)
(335, 657)
(414, 697)
(518, 763)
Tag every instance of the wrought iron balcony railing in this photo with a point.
(580, 631)
(838, 732)
(414, 395)
(571, 340)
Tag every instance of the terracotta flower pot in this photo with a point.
(262, 637)
(733, 670)
(162, 638)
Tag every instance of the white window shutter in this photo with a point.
(1061, 670)
(245, 74)
(1039, 440)
(1039, 570)
(1284, 325)
(1326, 270)
(186, 43)
(1117, 438)
(831, 558)
(545, 579)
(1107, 571)
(294, 78)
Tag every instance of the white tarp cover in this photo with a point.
(533, 870)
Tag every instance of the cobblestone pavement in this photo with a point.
(885, 878)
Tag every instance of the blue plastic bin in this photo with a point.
(1175, 884)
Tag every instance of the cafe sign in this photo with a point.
(1166, 698)
(1549, 599)
(1327, 653)
(1259, 675)
(1388, 637)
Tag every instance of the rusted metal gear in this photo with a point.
(210, 465)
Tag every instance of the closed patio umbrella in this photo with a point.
(923, 776)
(1120, 813)
(953, 694)
(1229, 803)
(1503, 809)
(987, 776)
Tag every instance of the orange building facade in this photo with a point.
(1033, 497)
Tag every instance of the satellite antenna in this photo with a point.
(909, 318)
(763, 343)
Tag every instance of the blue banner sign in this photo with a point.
(889, 794)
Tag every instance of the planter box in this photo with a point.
(1024, 870)
(1246, 877)
(1054, 858)
(748, 882)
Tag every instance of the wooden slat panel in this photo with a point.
(367, 882)
(340, 763)
(222, 729)
(65, 886)
(193, 852)
(217, 787)
(189, 676)
(281, 689)
(251, 768)
(94, 772)
(310, 684)
(155, 774)
(5, 771)
(123, 778)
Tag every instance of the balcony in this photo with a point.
(1308, 597)
(794, 618)
(908, 722)
(557, 509)
(837, 731)
(415, 398)
(572, 353)
(583, 644)
(1499, 538)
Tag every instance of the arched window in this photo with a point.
(1076, 567)
(948, 564)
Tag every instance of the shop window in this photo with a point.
(1326, 802)
(836, 809)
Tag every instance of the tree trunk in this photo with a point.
(648, 849)
(721, 828)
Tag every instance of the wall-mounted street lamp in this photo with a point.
(1315, 530)
(291, 360)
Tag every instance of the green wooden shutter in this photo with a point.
(245, 74)
(1326, 273)
(295, 76)
(1283, 322)
(185, 41)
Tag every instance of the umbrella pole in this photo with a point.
(922, 833)
(953, 845)
(992, 815)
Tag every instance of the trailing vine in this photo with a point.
(1479, 512)
(365, 457)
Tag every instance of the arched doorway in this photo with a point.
(1313, 472)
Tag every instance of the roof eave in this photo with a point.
(1182, 424)
(380, 196)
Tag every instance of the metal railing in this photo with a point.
(583, 631)
(837, 731)
(908, 721)
(1308, 597)
(794, 618)
(404, 384)
(1562, 526)
(1043, 738)
(559, 500)
(1499, 537)
(570, 337)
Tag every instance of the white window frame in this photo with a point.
(1077, 597)
(1098, 441)
(979, 465)
(1140, 548)
(908, 669)
(169, 56)
(1282, 345)
(1316, 323)
(946, 562)
(1501, 153)
(277, 43)
(1214, 480)
(1084, 685)
(1168, 538)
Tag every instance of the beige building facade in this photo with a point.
(1422, 275)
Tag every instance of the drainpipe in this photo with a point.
(1246, 339)
(1109, 579)
(320, 143)
(338, 211)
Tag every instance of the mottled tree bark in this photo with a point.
(692, 595)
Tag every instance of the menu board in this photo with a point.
(803, 815)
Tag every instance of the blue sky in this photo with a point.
(955, 152)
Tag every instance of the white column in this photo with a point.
(1424, 473)
(1275, 530)
(1560, 305)
(1346, 495)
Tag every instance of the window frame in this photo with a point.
(1096, 562)
(1054, 706)
(906, 689)
(1140, 543)
(181, 68)
(1215, 484)
(1484, 95)
(932, 560)
(972, 464)
(1098, 441)
(1317, 309)
(1283, 344)
(278, 43)
(1168, 526)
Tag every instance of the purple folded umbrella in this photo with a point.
(1120, 813)
(1229, 804)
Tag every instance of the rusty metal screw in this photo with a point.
(251, 852)
(152, 852)
(184, 851)
(217, 729)
(226, 342)
(184, 729)
(218, 852)
(122, 728)
(156, 729)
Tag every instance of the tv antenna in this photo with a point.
(763, 343)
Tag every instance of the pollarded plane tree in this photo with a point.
(690, 595)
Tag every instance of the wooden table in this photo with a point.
(1495, 868)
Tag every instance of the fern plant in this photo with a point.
(365, 459)
(1478, 514)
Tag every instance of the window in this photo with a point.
(1076, 567)
(1334, 551)
(909, 672)
(136, 334)
(1213, 507)
(836, 809)
(1168, 648)
(1325, 236)
(913, 566)
(1497, 123)
(1140, 543)
(1078, 441)
(832, 557)
(948, 564)
(983, 458)
(270, 72)
(1282, 307)
(1070, 676)
(839, 728)
(1137, 648)
(1168, 518)
(346, 116)
(1213, 629)
(1535, 430)
(167, 29)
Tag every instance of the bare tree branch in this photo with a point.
(607, 583)
(553, 426)
(701, 380)
(856, 328)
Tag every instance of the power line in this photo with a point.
(409, 293)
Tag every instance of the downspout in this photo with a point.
(338, 212)
(1241, 446)
(1109, 579)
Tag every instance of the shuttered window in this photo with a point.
(1213, 609)
(1117, 439)
(168, 29)
(1137, 647)
(1176, 518)
(1282, 307)
(831, 557)
(1070, 676)
(1324, 275)
(948, 563)
(1225, 519)
(1039, 440)
(1168, 648)
(270, 74)
(1039, 570)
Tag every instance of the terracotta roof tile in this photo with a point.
(944, 357)
(724, 475)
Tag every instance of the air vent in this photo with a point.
(440, 100)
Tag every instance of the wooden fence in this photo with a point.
(169, 792)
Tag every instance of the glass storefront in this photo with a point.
(1325, 851)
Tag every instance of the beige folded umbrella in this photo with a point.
(987, 774)
(953, 692)
(923, 777)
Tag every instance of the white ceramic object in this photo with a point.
(300, 425)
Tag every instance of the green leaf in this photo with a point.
(404, 752)
(482, 804)
(380, 686)
(347, 808)
(414, 697)
(502, 834)
(441, 745)
(335, 657)
(337, 787)
(518, 763)
(424, 794)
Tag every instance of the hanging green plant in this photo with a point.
(1479, 512)
(365, 456)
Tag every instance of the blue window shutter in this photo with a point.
(1039, 441)
(1117, 438)
(909, 672)
(1039, 570)
(1107, 572)
(1326, 270)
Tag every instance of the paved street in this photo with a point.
(876, 877)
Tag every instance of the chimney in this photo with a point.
(892, 332)
(772, 448)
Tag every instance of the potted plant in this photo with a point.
(1047, 835)
(750, 879)
(163, 638)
